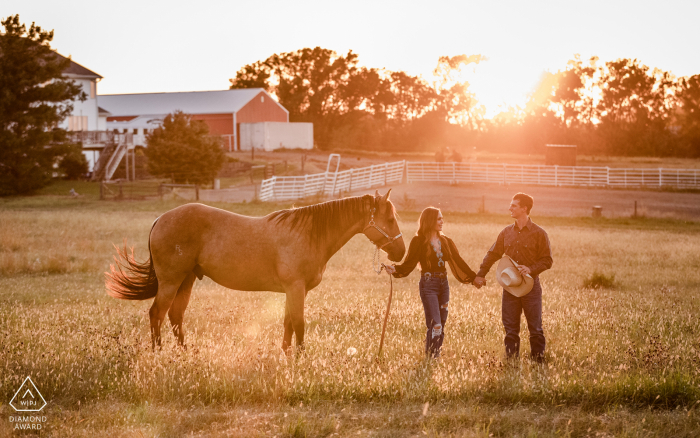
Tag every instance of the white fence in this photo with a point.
(551, 175)
(281, 188)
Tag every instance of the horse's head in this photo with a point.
(383, 228)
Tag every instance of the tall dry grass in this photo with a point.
(630, 347)
(636, 345)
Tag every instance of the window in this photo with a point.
(93, 89)
(262, 98)
(77, 123)
(136, 130)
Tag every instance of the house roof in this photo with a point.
(193, 102)
(144, 121)
(75, 69)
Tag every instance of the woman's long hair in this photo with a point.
(426, 225)
(427, 222)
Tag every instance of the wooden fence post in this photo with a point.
(196, 191)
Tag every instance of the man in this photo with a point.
(528, 245)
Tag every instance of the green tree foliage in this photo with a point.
(355, 107)
(634, 109)
(183, 150)
(34, 99)
(73, 163)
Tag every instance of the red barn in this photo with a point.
(223, 111)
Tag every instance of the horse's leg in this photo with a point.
(295, 306)
(177, 308)
(288, 329)
(167, 290)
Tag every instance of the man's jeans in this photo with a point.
(435, 295)
(531, 305)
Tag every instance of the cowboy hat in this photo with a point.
(511, 279)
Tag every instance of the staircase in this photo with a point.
(114, 160)
(99, 170)
(109, 160)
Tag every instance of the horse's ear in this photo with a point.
(385, 197)
(376, 194)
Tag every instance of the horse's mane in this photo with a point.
(326, 218)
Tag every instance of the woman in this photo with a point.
(432, 249)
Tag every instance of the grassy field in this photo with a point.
(621, 361)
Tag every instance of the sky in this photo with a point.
(158, 46)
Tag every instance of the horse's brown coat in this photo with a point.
(275, 253)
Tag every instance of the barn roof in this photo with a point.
(192, 102)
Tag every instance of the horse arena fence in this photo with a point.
(280, 188)
(570, 176)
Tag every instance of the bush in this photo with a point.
(183, 150)
(599, 281)
(74, 165)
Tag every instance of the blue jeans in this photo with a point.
(531, 305)
(435, 295)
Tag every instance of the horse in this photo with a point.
(285, 251)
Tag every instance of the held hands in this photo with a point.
(479, 282)
(390, 269)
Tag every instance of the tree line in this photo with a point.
(355, 107)
(620, 107)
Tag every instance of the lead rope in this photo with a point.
(386, 317)
(378, 267)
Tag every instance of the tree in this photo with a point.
(635, 108)
(34, 99)
(454, 98)
(688, 115)
(183, 150)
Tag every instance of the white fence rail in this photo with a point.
(551, 175)
(282, 188)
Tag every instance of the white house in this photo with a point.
(87, 122)
(86, 115)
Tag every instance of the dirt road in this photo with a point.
(549, 201)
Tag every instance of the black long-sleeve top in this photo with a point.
(528, 246)
(421, 251)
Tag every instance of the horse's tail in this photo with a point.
(130, 279)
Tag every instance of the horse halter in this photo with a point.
(371, 224)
